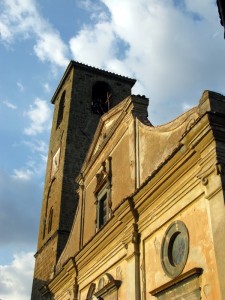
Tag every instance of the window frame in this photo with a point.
(103, 199)
(103, 190)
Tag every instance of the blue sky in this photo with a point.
(175, 50)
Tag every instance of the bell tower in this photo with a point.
(82, 96)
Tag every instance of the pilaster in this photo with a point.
(207, 139)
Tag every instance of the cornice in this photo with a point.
(81, 66)
(64, 276)
(195, 272)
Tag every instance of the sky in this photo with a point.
(174, 48)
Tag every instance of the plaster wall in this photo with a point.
(201, 250)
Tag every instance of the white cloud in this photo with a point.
(20, 86)
(174, 51)
(186, 106)
(44, 158)
(40, 147)
(5, 33)
(22, 174)
(9, 104)
(37, 146)
(16, 278)
(94, 45)
(22, 19)
(39, 114)
(96, 9)
(50, 47)
(47, 88)
(35, 164)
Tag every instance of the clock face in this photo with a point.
(175, 248)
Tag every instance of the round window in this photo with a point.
(175, 248)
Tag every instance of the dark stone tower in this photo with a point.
(83, 95)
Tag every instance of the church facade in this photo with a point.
(130, 211)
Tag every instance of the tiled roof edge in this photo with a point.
(90, 68)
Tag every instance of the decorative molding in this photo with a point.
(216, 167)
(104, 176)
(195, 272)
(119, 273)
(107, 285)
(91, 291)
(204, 180)
(191, 123)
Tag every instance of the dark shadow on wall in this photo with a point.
(40, 290)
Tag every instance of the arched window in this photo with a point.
(101, 96)
(50, 218)
(61, 109)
